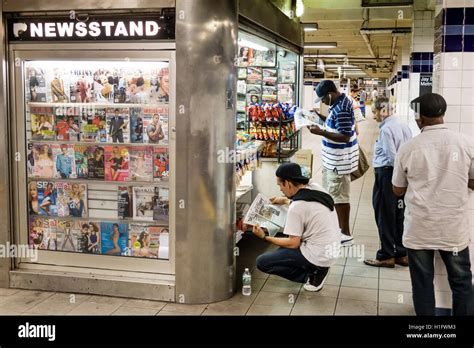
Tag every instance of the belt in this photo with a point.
(383, 168)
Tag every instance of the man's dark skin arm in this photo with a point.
(340, 138)
(471, 184)
(399, 191)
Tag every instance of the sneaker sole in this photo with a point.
(313, 288)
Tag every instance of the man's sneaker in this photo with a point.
(316, 279)
(346, 240)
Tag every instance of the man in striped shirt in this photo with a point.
(340, 151)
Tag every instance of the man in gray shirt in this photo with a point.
(435, 171)
(388, 208)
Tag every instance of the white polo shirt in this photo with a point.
(435, 166)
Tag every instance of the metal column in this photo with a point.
(5, 201)
(206, 42)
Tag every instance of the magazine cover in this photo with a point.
(269, 94)
(254, 76)
(254, 89)
(43, 233)
(42, 122)
(114, 238)
(241, 73)
(40, 161)
(44, 201)
(155, 125)
(64, 161)
(103, 88)
(138, 89)
(241, 87)
(94, 125)
(161, 164)
(88, 240)
(136, 125)
(125, 202)
(57, 82)
(253, 99)
(286, 93)
(287, 72)
(269, 77)
(68, 235)
(267, 215)
(161, 206)
(243, 56)
(72, 199)
(160, 84)
(117, 125)
(95, 162)
(81, 86)
(145, 241)
(36, 84)
(116, 163)
(67, 123)
(81, 158)
(144, 199)
(141, 163)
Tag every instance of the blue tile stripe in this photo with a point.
(421, 62)
(454, 30)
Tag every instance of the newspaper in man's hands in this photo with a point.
(270, 216)
(304, 118)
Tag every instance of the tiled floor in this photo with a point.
(351, 288)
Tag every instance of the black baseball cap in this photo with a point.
(291, 171)
(324, 87)
(429, 105)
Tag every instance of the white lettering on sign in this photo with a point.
(36, 30)
(94, 29)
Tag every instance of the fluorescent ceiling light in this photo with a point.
(299, 8)
(325, 55)
(340, 65)
(321, 45)
(310, 26)
(250, 44)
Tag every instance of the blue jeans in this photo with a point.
(458, 267)
(286, 263)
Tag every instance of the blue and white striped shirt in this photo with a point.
(342, 158)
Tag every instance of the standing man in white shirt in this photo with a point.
(375, 94)
(435, 171)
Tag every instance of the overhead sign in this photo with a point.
(94, 29)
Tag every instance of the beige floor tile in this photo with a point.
(129, 310)
(333, 279)
(360, 282)
(180, 314)
(257, 274)
(257, 309)
(59, 304)
(358, 294)
(355, 307)
(4, 292)
(395, 309)
(326, 291)
(357, 261)
(397, 273)
(307, 305)
(185, 308)
(341, 261)
(365, 233)
(94, 308)
(257, 284)
(108, 300)
(396, 285)
(145, 304)
(395, 297)
(238, 297)
(283, 287)
(24, 300)
(226, 308)
(336, 269)
(367, 271)
(275, 299)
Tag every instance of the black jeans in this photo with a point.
(389, 215)
(458, 266)
(286, 263)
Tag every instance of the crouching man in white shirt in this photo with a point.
(312, 228)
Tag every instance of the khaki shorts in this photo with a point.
(338, 186)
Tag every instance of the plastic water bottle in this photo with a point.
(246, 283)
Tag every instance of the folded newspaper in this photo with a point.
(304, 118)
(267, 215)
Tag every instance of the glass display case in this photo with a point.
(97, 152)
